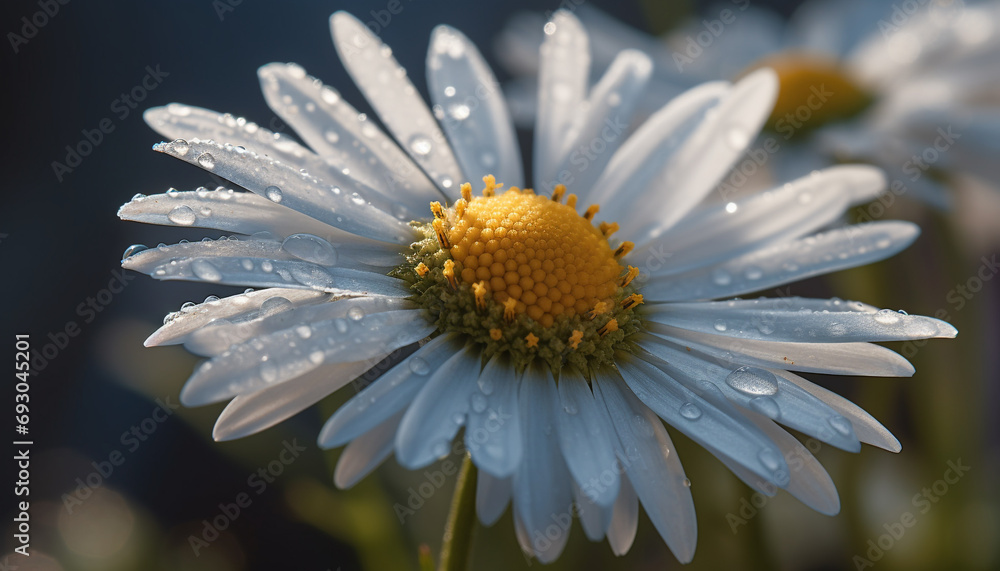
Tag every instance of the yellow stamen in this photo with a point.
(575, 338)
(609, 327)
(437, 209)
(479, 289)
(599, 308)
(623, 250)
(608, 229)
(531, 339)
(466, 191)
(632, 301)
(558, 192)
(449, 272)
(422, 269)
(491, 185)
(591, 212)
(509, 309)
(571, 200)
(632, 273)
(442, 235)
(460, 206)
(496, 334)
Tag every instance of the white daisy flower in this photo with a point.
(908, 86)
(559, 344)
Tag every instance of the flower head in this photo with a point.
(558, 327)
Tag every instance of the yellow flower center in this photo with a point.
(813, 90)
(532, 254)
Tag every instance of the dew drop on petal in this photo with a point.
(182, 215)
(303, 331)
(478, 402)
(273, 194)
(765, 405)
(887, 317)
(720, 325)
(310, 248)
(421, 145)
(690, 411)
(316, 357)
(841, 425)
(753, 381)
(273, 305)
(418, 366)
(181, 147)
(206, 271)
(206, 160)
(133, 250)
(770, 458)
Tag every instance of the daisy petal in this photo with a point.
(492, 496)
(633, 167)
(624, 519)
(178, 326)
(601, 126)
(586, 442)
(279, 182)
(492, 430)
(810, 483)
(345, 138)
(712, 424)
(386, 87)
(438, 411)
(390, 393)
(653, 467)
(295, 351)
(542, 493)
(868, 430)
(706, 156)
(792, 319)
(594, 519)
(757, 390)
(786, 262)
(562, 88)
(259, 263)
(830, 358)
(251, 413)
(721, 231)
(366, 453)
(474, 113)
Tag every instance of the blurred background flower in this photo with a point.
(80, 75)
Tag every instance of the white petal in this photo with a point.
(786, 262)
(829, 358)
(601, 124)
(594, 519)
(796, 319)
(624, 519)
(542, 494)
(366, 452)
(706, 156)
(653, 468)
(713, 424)
(562, 88)
(633, 167)
(758, 390)
(259, 263)
(345, 138)
(868, 430)
(251, 413)
(401, 109)
(721, 231)
(178, 326)
(301, 191)
(390, 393)
(492, 496)
(287, 354)
(472, 109)
(492, 429)
(586, 442)
(438, 411)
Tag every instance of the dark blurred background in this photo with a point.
(104, 497)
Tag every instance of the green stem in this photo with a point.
(457, 542)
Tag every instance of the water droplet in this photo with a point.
(356, 313)
(459, 112)
(267, 266)
(181, 147)
(357, 199)
(421, 145)
(133, 250)
(247, 264)
(310, 248)
(550, 28)
(311, 276)
(570, 408)
(331, 137)
(449, 91)
(478, 402)
(341, 325)
(206, 160)
(753, 381)
(720, 325)
(205, 211)
(182, 215)
(887, 317)
(205, 270)
(841, 425)
(686, 483)
(732, 207)
(765, 405)
(268, 372)
(690, 411)
(273, 305)
(304, 331)
(273, 194)
(721, 277)
(770, 458)
(418, 366)
(753, 273)
(316, 357)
